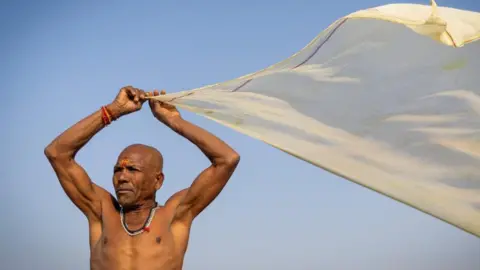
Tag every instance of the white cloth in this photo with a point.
(386, 97)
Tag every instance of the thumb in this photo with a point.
(151, 101)
(142, 96)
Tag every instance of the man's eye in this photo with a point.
(130, 168)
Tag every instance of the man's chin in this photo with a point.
(126, 202)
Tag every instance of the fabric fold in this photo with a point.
(387, 97)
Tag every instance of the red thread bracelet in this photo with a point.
(105, 116)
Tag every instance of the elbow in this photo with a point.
(232, 159)
(53, 153)
(50, 152)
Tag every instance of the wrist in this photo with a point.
(172, 121)
(115, 110)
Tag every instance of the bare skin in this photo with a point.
(137, 176)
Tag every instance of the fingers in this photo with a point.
(150, 100)
(130, 91)
(141, 95)
(135, 94)
(154, 93)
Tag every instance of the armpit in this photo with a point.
(176, 199)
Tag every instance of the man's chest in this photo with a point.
(116, 246)
(116, 233)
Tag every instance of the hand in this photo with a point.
(161, 110)
(128, 100)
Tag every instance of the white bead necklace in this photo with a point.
(145, 227)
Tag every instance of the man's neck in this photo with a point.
(137, 214)
(140, 206)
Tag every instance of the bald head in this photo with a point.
(147, 155)
(138, 171)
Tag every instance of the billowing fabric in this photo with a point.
(386, 97)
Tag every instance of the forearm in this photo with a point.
(74, 138)
(217, 151)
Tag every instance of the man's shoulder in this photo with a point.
(101, 192)
(176, 199)
(108, 202)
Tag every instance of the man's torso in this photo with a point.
(160, 248)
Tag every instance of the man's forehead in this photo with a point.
(139, 155)
(124, 162)
(130, 159)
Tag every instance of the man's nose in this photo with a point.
(123, 177)
(123, 180)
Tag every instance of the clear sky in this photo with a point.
(62, 60)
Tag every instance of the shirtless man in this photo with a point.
(131, 231)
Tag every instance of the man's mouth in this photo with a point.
(124, 191)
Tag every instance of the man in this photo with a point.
(132, 231)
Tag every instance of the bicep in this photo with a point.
(79, 188)
(180, 230)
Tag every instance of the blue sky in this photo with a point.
(62, 60)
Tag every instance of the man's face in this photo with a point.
(133, 178)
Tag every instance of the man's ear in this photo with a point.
(159, 180)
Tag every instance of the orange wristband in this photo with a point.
(107, 119)
(110, 114)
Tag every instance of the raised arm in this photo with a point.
(206, 187)
(61, 152)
